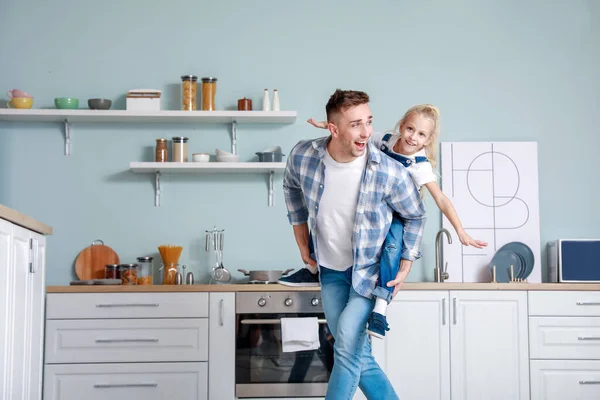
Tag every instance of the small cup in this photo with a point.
(200, 157)
(244, 104)
(20, 102)
(68, 103)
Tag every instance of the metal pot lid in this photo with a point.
(144, 258)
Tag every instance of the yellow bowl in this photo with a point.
(20, 102)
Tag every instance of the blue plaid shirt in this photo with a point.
(386, 187)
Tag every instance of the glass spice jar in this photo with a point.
(111, 271)
(161, 150)
(129, 274)
(180, 149)
(144, 270)
(189, 89)
(209, 90)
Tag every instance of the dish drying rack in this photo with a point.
(512, 276)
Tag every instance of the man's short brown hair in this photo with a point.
(341, 100)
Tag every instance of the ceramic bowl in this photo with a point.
(228, 158)
(99, 104)
(200, 157)
(20, 102)
(69, 103)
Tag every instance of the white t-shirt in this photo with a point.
(421, 172)
(337, 209)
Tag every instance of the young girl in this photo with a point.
(414, 144)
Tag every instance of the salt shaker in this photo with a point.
(276, 100)
(266, 106)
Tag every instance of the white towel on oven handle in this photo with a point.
(298, 334)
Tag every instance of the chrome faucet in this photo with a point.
(440, 274)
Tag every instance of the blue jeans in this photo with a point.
(389, 263)
(347, 313)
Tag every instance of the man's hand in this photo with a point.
(308, 261)
(405, 266)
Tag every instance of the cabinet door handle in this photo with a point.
(589, 382)
(588, 303)
(126, 340)
(31, 257)
(454, 300)
(221, 312)
(443, 311)
(123, 385)
(127, 305)
(588, 338)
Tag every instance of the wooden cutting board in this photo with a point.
(91, 261)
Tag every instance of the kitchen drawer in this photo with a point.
(562, 380)
(160, 381)
(585, 304)
(574, 338)
(126, 305)
(136, 340)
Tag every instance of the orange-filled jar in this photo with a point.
(189, 87)
(209, 90)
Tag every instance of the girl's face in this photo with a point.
(415, 133)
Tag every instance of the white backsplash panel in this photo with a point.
(494, 188)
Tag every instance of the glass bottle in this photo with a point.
(180, 149)
(209, 90)
(189, 89)
(161, 150)
(266, 105)
(144, 276)
(276, 106)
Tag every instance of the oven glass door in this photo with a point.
(263, 368)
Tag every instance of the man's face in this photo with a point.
(350, 132)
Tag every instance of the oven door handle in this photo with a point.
(269, 321)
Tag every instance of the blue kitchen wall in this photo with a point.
(510, 70)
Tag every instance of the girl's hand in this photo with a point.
(469, 241)
(317, 124)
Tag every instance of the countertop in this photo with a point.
(23, 220)
(281, 288)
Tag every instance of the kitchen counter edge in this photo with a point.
(16, 217)
(281, 288)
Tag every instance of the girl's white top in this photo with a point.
(421, 172)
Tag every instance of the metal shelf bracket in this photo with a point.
(271, 174)
(67, 137)
(234, 137)
(157, 190)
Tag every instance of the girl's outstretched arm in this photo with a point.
(445, 205)
(317, 124)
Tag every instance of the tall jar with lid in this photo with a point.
(161, 150)
(144, 276)
(189, 89)
(209, 90)
(180, 149)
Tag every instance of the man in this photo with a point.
(346, 190)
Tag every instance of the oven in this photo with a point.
(262, 369)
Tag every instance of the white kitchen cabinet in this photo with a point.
(152, 381)
(416, 351)
(221, 368)
(459, 345)
(22, 265)
(489, 345)
(565, 379)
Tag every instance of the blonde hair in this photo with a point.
(431, 112)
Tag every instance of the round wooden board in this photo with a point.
(91, 261)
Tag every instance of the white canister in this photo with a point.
(180, 149)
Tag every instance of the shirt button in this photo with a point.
(408, 161)
(316, 206)
(321, 186)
